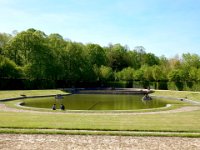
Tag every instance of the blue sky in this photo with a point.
(163, 27)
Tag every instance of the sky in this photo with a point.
(162, 27)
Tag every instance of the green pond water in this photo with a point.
(98, 102)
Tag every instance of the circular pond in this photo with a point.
(98, 102)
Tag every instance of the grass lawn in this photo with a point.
(189, 121)
(178, 94)
(169, 122)
(18, 93)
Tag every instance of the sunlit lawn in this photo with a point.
(178, 94)
(188, 121)
(18, 93)
(182, 122)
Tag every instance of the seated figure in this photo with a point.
(54, 107)
(147, 97)
(62, 107)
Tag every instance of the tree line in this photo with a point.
(33, 55)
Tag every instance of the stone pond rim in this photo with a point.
(108, 91)
(128, 91)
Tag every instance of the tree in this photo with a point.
(116, 55)
(106, 73)
(141, 53)
(193, 74)
(4, 39)
(41, 57)
(150, 59)
(30, 50)
(191, 60)
(133, 59)
(174, 63)
(158, 73)
(147, 73)
(24, 45)
(127, 74)
(57, 45)
(160, 77)
(175, 75)
(96, 54)
(139, 75)
(8, 69)
(74, 61)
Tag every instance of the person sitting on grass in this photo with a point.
(54, 107)
(62, 107)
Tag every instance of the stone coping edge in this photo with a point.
(24, 97)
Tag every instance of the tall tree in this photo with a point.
(57, 45)
(74, 62)
(133, 59)
(96, 54)
(150, 59)
(23, 45)
(4, 39)
(191, 60)
(117, 57)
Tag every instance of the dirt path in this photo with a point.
(78, 142)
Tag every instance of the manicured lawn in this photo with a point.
(13, 93)
(180, 122)
(178, 94)
(189, 121)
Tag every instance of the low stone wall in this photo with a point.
(109, 91)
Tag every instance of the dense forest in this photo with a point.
(50, 61)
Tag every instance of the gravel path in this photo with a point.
(78, 142)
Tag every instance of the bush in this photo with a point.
(9, 69)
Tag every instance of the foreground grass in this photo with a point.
(185, 123)
(96, 132)
(178, 122)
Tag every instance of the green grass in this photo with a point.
(178, 94)
(189, 121)
(13, 94)
(185, 123)
(96, 132)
